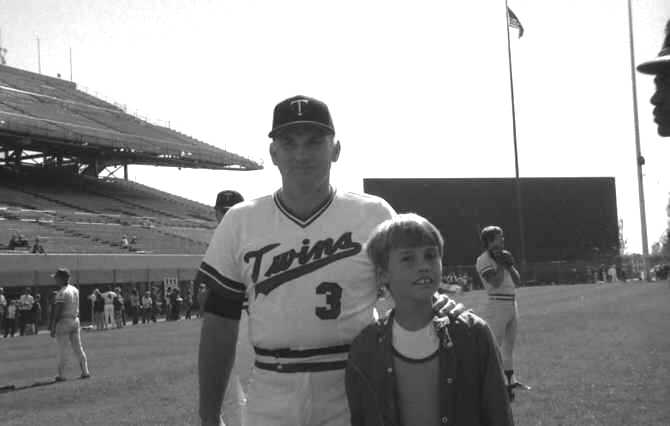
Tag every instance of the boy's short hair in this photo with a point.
(489, 233)
(403, 230)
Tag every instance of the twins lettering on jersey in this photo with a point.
(309, 258)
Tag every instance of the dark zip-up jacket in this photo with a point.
(472, 389)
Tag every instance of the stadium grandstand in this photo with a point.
(56, 143)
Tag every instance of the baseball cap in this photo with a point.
(61, 272)
(227, 199)
(662, 61)
(301, 110)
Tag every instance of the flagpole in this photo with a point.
(519, 202)
(639, 159)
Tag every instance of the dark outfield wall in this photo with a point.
(565, 218)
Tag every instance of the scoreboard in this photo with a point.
(565, 219)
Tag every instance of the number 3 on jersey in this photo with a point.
(333, 307)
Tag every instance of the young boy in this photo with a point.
(411, 368)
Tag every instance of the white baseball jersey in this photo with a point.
(486, 263)
(69, 297)
(309, 281)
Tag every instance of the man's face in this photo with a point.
(498, 243)
(304, 155)
(60, 281)
(413, 273)
(661, 102)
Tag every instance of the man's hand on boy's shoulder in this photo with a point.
(444, 306)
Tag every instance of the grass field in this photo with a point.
(595, 355)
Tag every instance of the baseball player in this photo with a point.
(109, 297)
(224, 201)
(500, 278)
(298, 256)
(234, 400)
(660, 67)
(64, 324)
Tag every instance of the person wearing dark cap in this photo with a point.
(64, 324)
(660, 68)
(224, 201)
(297, 255)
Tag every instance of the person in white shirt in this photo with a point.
(109, 297)
(25, 307)
(64, 324)
(3, 304)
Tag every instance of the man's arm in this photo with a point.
(55, 316)
(216, 355)
(516, 277)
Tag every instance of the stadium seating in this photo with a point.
(78, 214)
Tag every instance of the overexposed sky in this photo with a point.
(416, 89)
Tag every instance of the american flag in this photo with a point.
(514, 22)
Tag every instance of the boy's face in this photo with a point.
(413, 273)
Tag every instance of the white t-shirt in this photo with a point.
(486, 263)
(308, 281)
(416, 344)
(26, 302)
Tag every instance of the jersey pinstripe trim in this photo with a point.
(303, 223)
(486, 269)
(222, 285)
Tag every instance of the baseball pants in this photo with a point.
(297, 399)
(502, 316)
(109, 316)
(68, 336)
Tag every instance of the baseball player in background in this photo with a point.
(496, 268)
(64, 324)
(660, 67)
(234, 400)
(298, 256)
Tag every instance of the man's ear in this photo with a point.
(336, 151)
(273, 152)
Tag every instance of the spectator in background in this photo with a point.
(109, 296)
(154, 304)
(176, 302)
(10, 318)
(99, 311)
(117, 302)
(167, 304)
(3, 306)
(612, 273)
(202, 295)
(26, 302)
(36, 314)
(134, 306)
(147, 306)
(124, 241)
(133, 239)
(37, 247)
(17, 240)
(188, 304)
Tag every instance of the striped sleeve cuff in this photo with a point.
(221, 285)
